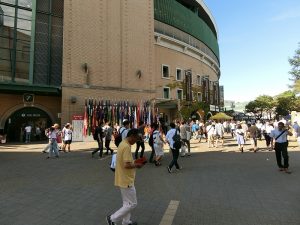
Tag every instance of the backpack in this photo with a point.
(98, 131)
(118, 138)
(177, 140)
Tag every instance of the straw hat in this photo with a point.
(56, 125)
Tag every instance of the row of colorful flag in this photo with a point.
(96, 111)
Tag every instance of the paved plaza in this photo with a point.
(217, 186)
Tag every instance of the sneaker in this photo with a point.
(169, 169)
(180, 168)
(286, 170)
(108, 221)
(133, 223)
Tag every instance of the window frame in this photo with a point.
(179, 89)
(162, 71)
(199, 94)
(169, 93)
(198, 81)
(181, 74)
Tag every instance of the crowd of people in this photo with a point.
(59, 140)
(178, 138)
(211, 132)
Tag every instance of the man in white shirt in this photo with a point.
(281, 143)
(28, 133)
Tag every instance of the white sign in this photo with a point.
(77, 124)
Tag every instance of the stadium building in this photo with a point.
(56, 54)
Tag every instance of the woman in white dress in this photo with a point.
(239, 132)
(158, 144)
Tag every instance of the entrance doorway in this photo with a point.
(15, 125)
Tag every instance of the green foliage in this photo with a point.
(295, 71)
(287, 102)
(263, 103)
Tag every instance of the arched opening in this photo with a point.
(208, 115)
(17, 121)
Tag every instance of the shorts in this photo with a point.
(67, 142)
(211, 137)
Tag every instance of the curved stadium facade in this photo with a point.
(60, 53)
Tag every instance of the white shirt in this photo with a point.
(67, 134)
(53, 134)
(259, 125)
(28, 129)
(210, 130)
(269, 129)
(275, 133)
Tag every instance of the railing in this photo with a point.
(177, 34)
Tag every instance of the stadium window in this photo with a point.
(165, 71)
(166, 93)
(199, 97)
(178, 74)
(179, 94)
(198, 82)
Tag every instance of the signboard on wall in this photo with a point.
(77, 124)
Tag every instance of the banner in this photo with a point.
(78, 127)
(188, 85)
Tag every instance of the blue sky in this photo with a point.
(256, 38)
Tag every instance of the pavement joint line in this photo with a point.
(170, 213)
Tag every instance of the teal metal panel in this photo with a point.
(174, 14)
(31, 66)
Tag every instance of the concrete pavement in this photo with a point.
(218, 186)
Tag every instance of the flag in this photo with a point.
(135, 118)
(85, 123)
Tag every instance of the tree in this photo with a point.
(286, 102)
(266, 104)
(262, 104)
(295, 71)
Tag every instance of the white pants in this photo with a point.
(129, 203)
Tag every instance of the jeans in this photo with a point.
(175, 153)
(281, 152)
(28, 134)
(53, 148)
(107, 143)
(268, 139)
(100, 148)
(152, 154)
(129, 203)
